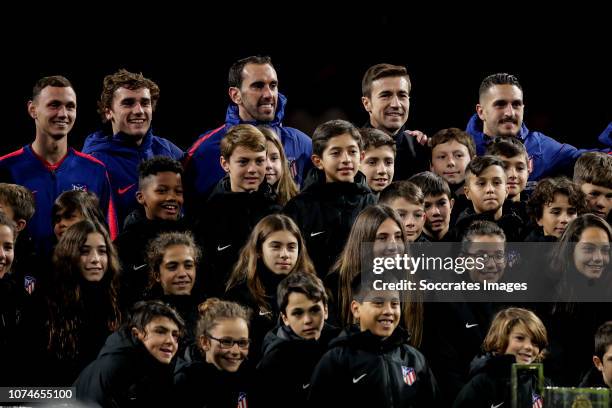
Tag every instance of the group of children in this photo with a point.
(175, 305)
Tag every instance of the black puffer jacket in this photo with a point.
(224, 226)
(131, 247)
(364, 370)
(125, 374)
(200, 384)
(490, 385)
(284, 372)
(510, 223)
(325, 213)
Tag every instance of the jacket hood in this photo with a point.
(606, 136)
(100, 141)
(121, 343)
(224, 187)
(283, 334)
(475, 128)
(498, 365)
(315, 180)
(354, 337)
(232, 117)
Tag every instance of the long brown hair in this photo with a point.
(498, 337)
(66, 302)
(286, 188)
(349, 266)
(562, 263)
(246, 269)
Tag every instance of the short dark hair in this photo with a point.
(501, 78)
(479, 164)
(544, 193)
(300, 282)
(143, 312)
(405, 189)
(480, 228)
(382, 71)
(594, 168)
(20, 199)
(431, 184)
(234, 77)
(374, 138)
(333, 128)
(85, 202)
(453, 134)
(158, 164)
(124, 79)
(54, 80)
(603, 339)
(507, 146)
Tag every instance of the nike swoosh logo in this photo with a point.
(220, 248)
(124, 190)
(136, 268)
(469, 326)
(314, 234)
(356, 380)
(497, 406)
(304, 386)
(264, 312)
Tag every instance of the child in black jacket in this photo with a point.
(238, 202)
(372, 364)
(334, 192)
(294, 347)
(516, 336)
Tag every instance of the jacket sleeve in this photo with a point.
(431, 395)
(562, 156)
(97, 383)
(326, 388)
(474, 394)
(294, 210)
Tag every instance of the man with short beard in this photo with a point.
(255, 100)
(499, 112)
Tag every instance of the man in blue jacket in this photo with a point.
(127, 101)
(499, 112)
(253, 91)
(48, 167)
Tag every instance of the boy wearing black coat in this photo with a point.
(238, 202)
(135, 366)
(294, 347)
(372, 365)
(160, 193)
(485, 187)
(334, 192)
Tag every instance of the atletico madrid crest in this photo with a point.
(242, 400)
(409, 375)
(536, 401)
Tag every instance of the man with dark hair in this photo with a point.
(499, 112)
(48, 167)
(253, 91)
(385, 95)
(127, 102)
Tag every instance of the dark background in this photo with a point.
(565, 70)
